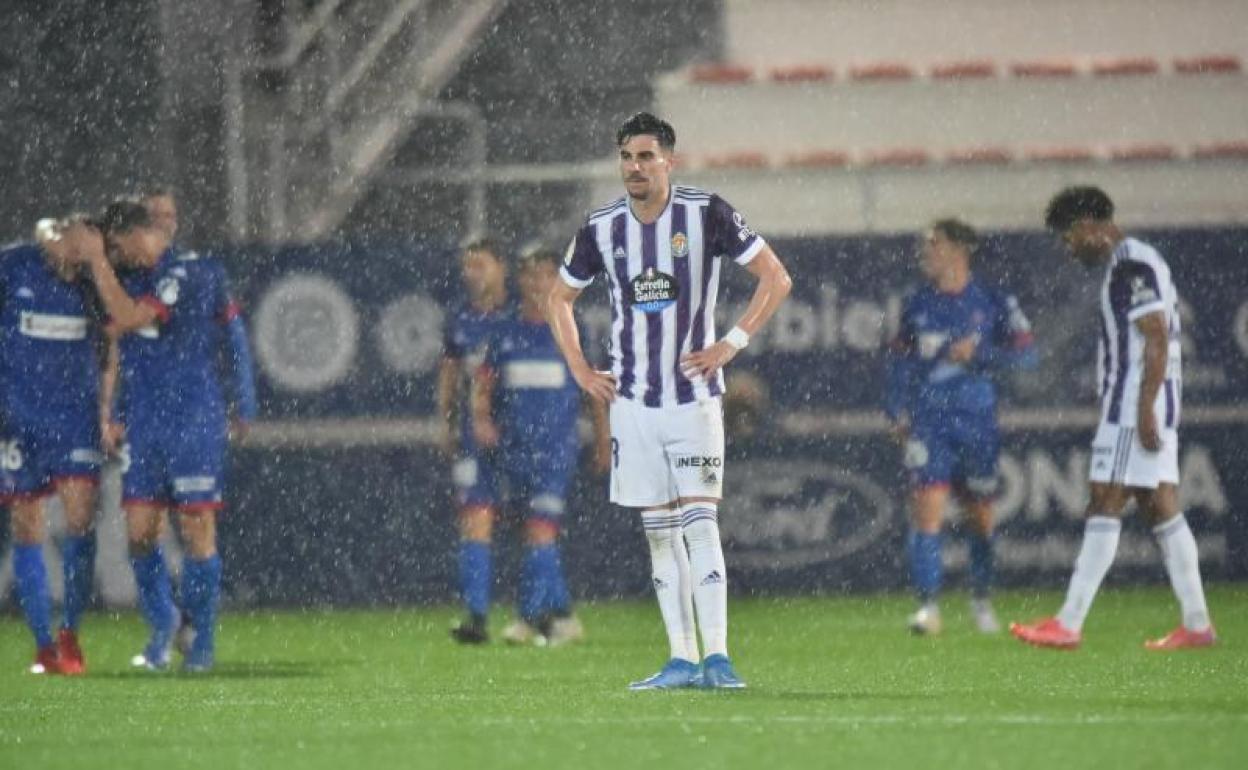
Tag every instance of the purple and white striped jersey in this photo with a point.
(663, 279)
(1137, 283)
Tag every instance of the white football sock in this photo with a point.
(700, 522)
(1100, 543)
(669, 565)
(1178, 549)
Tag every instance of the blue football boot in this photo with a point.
(675, 674)
(717, 674)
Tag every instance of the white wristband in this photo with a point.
(737, 337)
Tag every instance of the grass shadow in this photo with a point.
(269, 669)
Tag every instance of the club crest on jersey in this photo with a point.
(680, 245)
(168, 290)
(654, 291)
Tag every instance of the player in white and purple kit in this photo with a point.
(1135, 453)
(661, 249)
(49, 429)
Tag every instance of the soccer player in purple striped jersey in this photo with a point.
(661, 249)
(1135, 453)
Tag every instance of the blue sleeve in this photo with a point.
(1011, 344)
(242, 370)
(238, 353)
(902, 368)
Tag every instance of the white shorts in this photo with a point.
(660, 454)
(1118, 458)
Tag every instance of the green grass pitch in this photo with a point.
(834, 682)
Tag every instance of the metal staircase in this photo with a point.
(311, 124)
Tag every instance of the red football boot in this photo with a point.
(1048, 632)
(46, 661)
(1183, 638)
(72, 662)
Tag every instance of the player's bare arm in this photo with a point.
(599, 385)
(484, 429)
(448, 385)
(600, 421)
(125, 314)
(774, 285)
(111, 431)
(1156, 342)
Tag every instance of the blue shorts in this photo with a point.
(539, 477)
(34, 457)
(958, 450)
(180, 464)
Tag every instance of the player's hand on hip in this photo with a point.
(1146, 428)
(706, 362)
(599, 385)
(963, 350)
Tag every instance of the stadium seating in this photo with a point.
(888, 102)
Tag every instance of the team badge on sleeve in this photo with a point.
(744, 233)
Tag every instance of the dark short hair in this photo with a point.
(122, 216)
(643, 123)
(959, 232)
(539, 255)
(482, 243)
(1075, 203)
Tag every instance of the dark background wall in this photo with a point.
(100, 97)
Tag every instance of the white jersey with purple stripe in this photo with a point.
(663, 279)
(1137, 284)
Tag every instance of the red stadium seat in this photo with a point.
(963, 70)
(1222, 151)
(1048, 68)
(897, 157)
(1060, 154)
(721, 73)
(1144, 152)
(881, 71)
(818, 159)
(979, 155)
(742, 159)
(1201, 65)
(1139, 65)
(803, 73)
